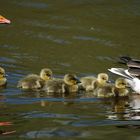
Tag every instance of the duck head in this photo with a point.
(102, 78)
(4, 20)
(71, 79)
(46, 74)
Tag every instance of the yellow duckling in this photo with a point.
(66, 85)
(119, 89)
(3, 80)
(34, 81)
(91, 83)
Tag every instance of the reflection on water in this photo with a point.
(81, 37)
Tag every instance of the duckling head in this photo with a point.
(121, 83)
(102, 78)
(46, 74)
(71, 79)
(2, 73)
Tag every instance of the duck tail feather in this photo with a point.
(125, 59)
(127, 72)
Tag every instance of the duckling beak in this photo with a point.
(108, 81)
(78, 81)
(4, 20)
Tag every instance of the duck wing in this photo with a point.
(122, 72)
(130, 62)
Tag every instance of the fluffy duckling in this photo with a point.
(34, 81)
(4, 20)
(3, 80)
(86, 83)
(119, 89)
(91, 83)
(66, 85)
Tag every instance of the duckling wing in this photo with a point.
(31, 81)
(86, 82)
(104, 92)
(54, 86)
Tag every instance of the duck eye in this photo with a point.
(1, 73)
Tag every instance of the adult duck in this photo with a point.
(132, 64)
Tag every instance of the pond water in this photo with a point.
(84, 37)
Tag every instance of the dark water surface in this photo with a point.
(84, 37)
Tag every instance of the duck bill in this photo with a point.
(4, 20)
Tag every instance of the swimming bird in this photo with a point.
(134, 82)
(90, 83)
(132, 64)
(34, 81)
(66, 85)
(4, 20)
(119, 89)
(3, 80)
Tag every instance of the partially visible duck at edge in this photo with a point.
(91, 83)
(3, 80)
(132, 64)
(3, 20)
(34, 81)
(66, 85)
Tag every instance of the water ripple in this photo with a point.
(37, 5)
(53, 115)
(55, 132)
(98, 40)
(46, 36)
(103, 123)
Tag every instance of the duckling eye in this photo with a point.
(1, 73)
(123, 83)
(47, 74)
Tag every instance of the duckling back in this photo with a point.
(54, 86)
(31, 82)
(86, 83)
(104, 92)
